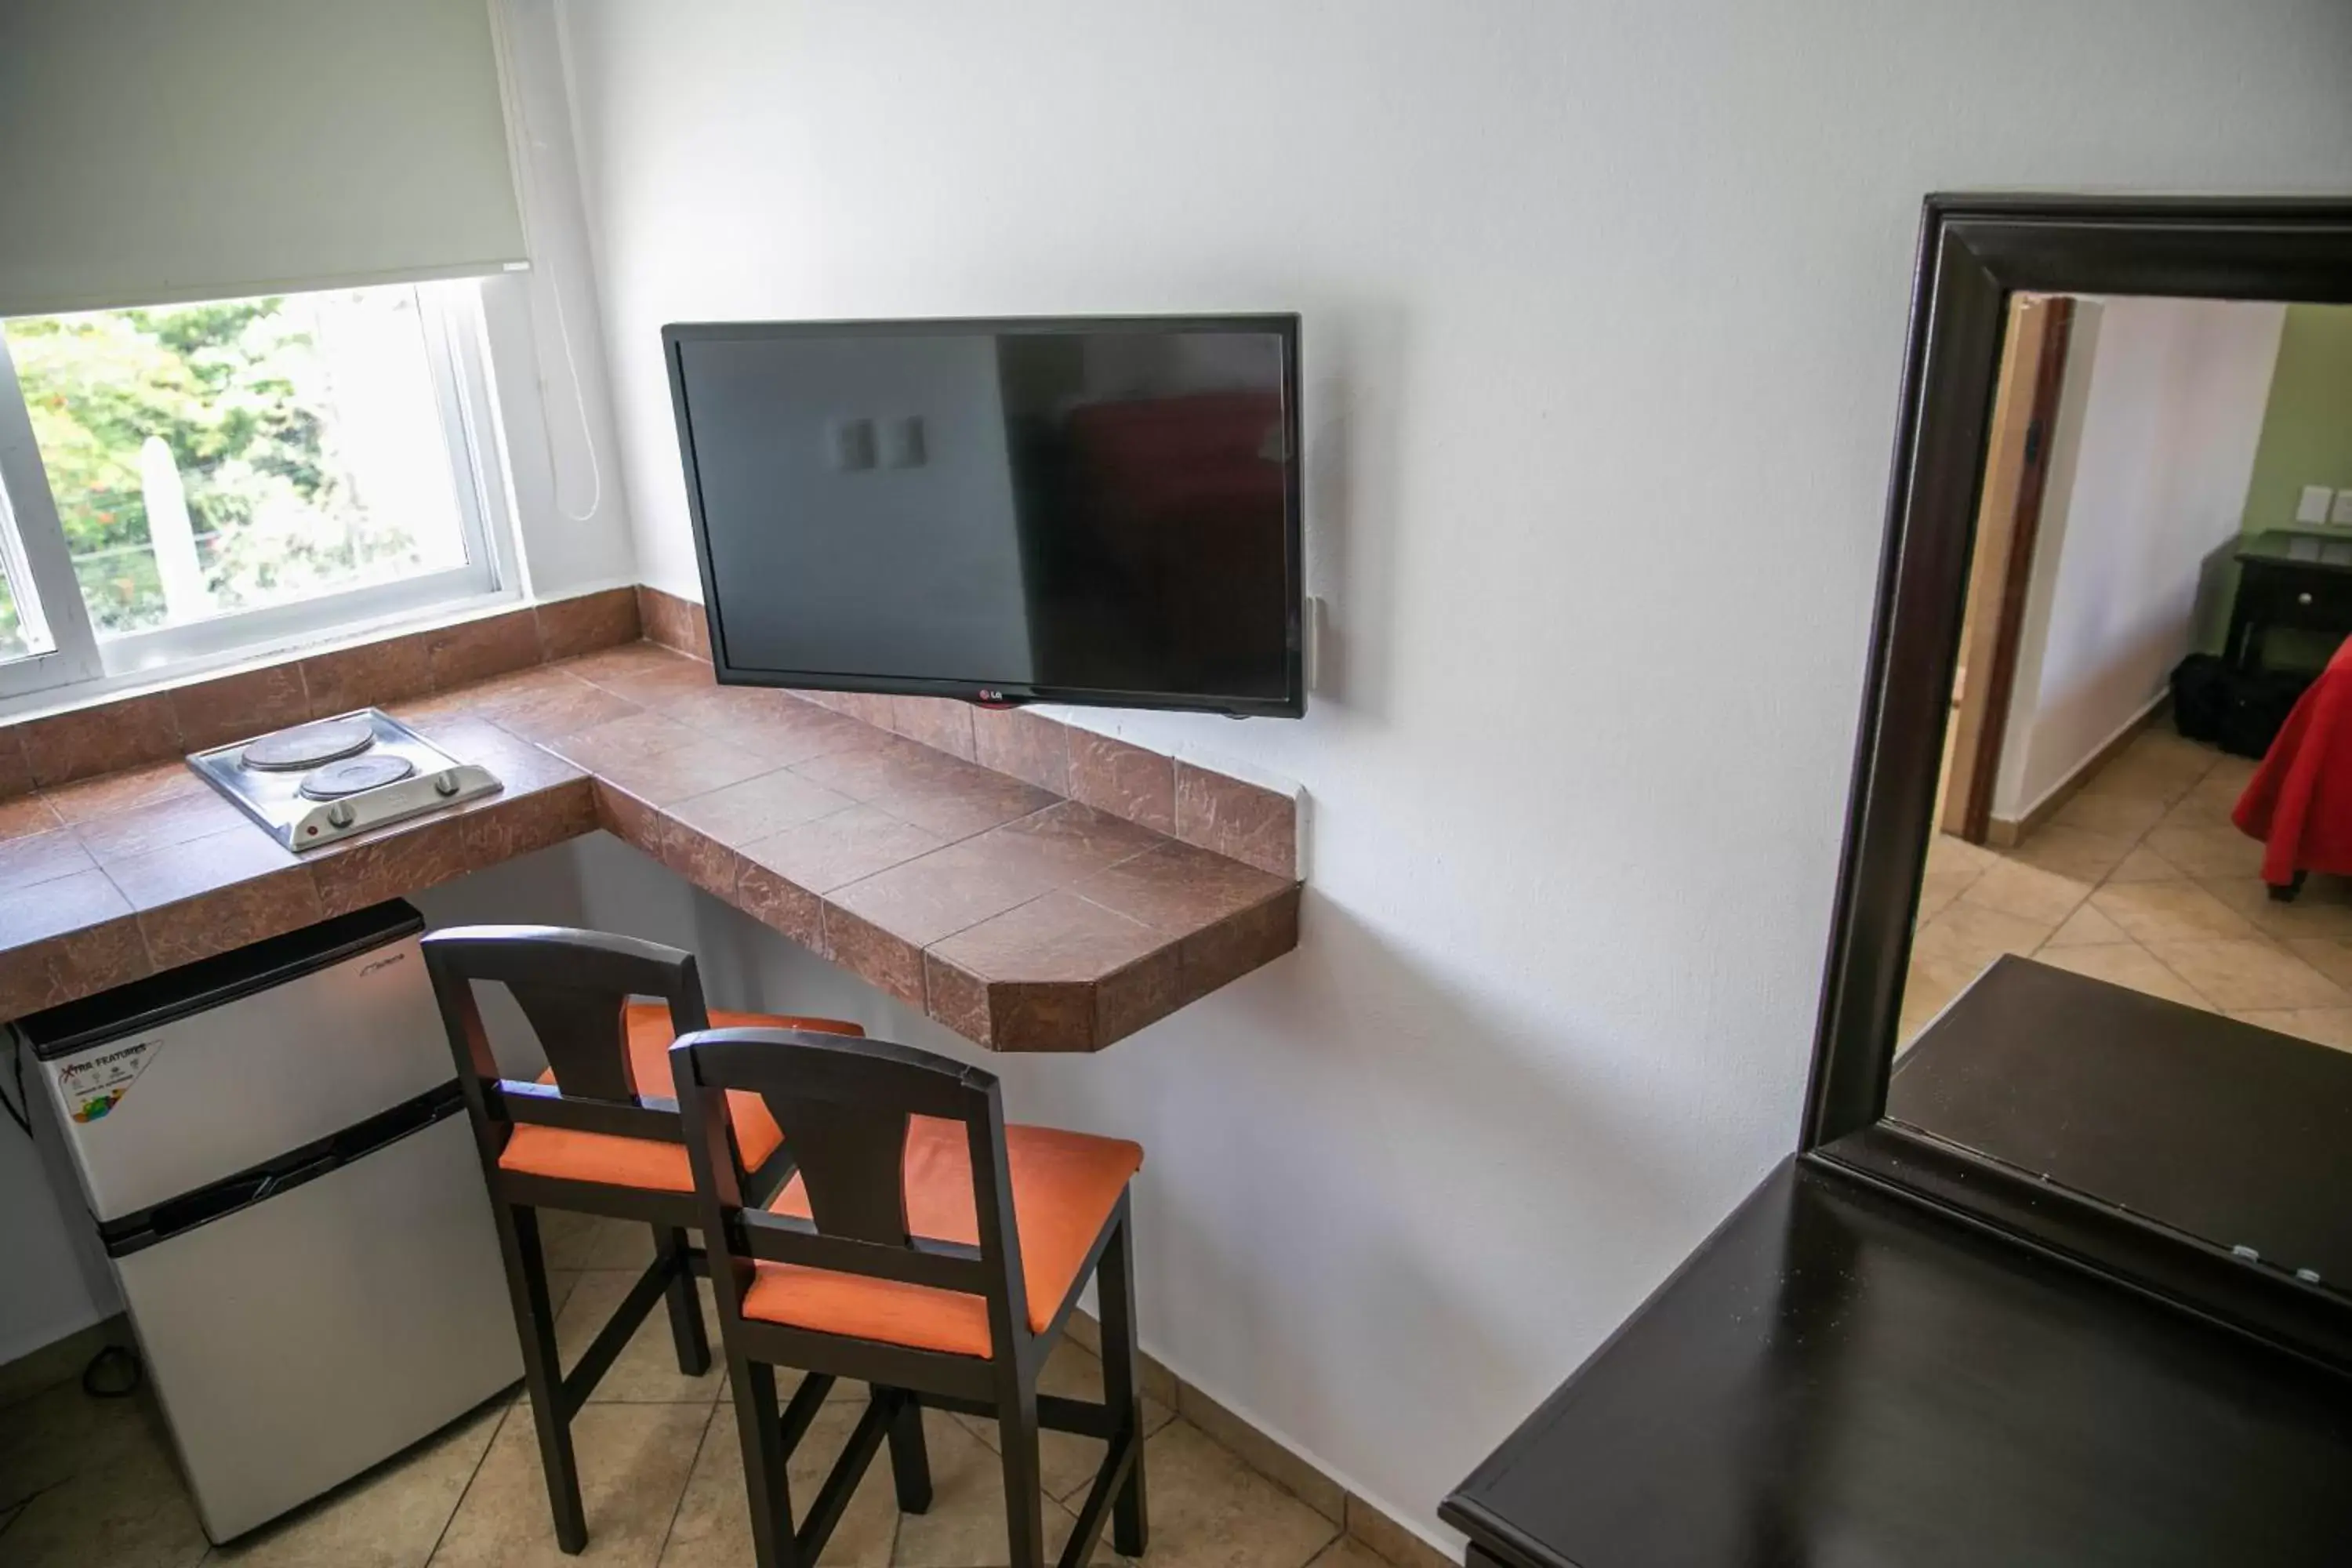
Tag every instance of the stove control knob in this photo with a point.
(445, 784)
(341, 814)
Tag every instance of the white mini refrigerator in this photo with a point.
(274, 1147)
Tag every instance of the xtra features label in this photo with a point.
(91, 1085)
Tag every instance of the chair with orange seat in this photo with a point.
(599, 1133)
(923, 1245)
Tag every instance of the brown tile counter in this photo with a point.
(1023, 917)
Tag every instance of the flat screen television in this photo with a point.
(1095, 511)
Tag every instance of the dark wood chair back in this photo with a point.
(573, 987)
(845, 1106)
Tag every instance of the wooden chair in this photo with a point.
(922, 1246)
(598, 1134)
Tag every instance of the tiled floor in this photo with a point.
(90, 1484)
(2141, 880)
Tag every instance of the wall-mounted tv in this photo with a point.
(1098, 510)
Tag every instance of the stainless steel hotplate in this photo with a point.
(329, 779)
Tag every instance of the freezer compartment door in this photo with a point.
(296, 1342)
(157, 1112)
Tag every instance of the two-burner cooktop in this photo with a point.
(320, 781)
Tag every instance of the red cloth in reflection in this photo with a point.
(2299, 802)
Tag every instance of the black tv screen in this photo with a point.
(1096, 510)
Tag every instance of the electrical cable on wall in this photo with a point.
(525, 167)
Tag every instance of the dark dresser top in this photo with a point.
(2292, 547)
(2234, 1133)
(1841, 1379)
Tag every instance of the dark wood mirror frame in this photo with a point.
(1974, 252)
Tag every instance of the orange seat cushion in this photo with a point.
(640, 1162)
(1064, 1186)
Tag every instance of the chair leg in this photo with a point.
(1130, 1527)
(542, 1369)
(762, 1428)
(1024, 1497)
(686, 1331)
(910, 1461)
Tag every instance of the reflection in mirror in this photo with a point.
(2148, 775)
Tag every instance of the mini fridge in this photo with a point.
(274, 1148)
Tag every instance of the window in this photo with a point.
(21, 634)
(187, 480)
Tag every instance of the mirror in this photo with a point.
(2139, 448)
(2090, 977)
(2161, 571)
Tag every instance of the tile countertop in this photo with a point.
(1022, 919)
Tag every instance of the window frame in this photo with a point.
(456, 333)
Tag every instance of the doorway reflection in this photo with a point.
(2115, 706)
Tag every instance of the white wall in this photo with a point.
(2150, 456)
(1604, 314)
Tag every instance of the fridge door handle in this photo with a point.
(298, 1175)
(166, 1220)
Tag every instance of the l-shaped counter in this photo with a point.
(1014, 913)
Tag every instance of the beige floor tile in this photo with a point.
(965, 1523)
(2145, 865)
(62, 1432)
(1929, 985)
(1343, 1552)
(2197, 809)
(575, 1241)
(2075, 852)
(713, 1528)
(1068, 1462)
(2152, 778)
(389, 1517)
(1209, 1508)
(2319, 910)
(1920, 1008)
(1391, 1541)
(2218, 851)
(58, 1363)
(2332, 959)
(1938, 888)
(2125, 963)
(2167, 748)
(1263, 1455)
(1974, 935)
(2226, 782)
(646, 1371)
(2117, 816)
(2170, 911)
(2327, 1025)
(2028, 892)
(2249, 974)
(128, 1510)
(2086, 927)
(634, 1463)
(1946, 853)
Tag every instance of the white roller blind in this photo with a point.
(154, 151)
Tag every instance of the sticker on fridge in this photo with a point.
(92, 1086)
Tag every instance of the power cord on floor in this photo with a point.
(114, 1373)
